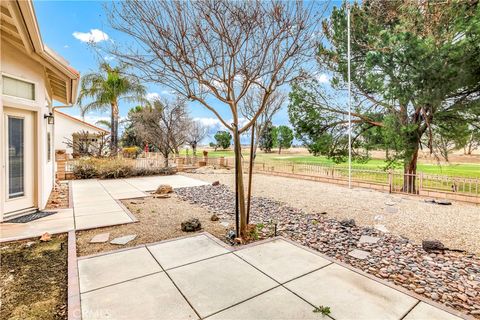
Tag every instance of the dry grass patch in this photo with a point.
(33, 277)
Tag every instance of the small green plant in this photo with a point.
(260, 226)
(314, 222)
(323, 310)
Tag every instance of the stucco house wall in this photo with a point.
(25, 58)
(66, 126)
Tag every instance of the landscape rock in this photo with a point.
(224, 224)
(393, 258)
(214, 217)
(368, 239)
(164, 189)
(359, 254)
(443, 202)
(348, 223)
(432, 245)
(100, 238)
(191, 225)
(123, 240)
(46, 237)
(215, 183)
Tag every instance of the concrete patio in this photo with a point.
(94, 203)
(201, 278)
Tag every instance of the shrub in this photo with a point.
(112, 168)
(131, 152)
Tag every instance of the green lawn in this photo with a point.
(471, 170)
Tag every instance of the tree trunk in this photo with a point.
(279, 150)
(250, 172)
(239, 183)
(114, 130)
(410, 171)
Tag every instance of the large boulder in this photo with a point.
(191, 225)
(164, 189)
(433, 245)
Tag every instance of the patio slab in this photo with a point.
(113, 268)
(180, 252)
(281, 260)
(132, 285)
(278, 303)
(338, 287)
(218, 283)
(423, 311)
(101, 220)
(60, 222)
(150, 297)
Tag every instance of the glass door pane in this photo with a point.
(16, 186)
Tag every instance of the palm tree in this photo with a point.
(107, 88)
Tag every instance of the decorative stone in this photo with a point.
(359, 254)
(215, 183)
(164, 189)
(191, 225)
(45, 237)
(224, 224)
(368, 239)
(390, 203)
(214, 217)
(348, 223)
(100, 238)
(432, 245)
(123, 240)
(444, 202)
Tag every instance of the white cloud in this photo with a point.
(322, 78)
(151, 96)
(66, 46)
(95, 35)
(109, 58)
(209, 122)
(167, 92)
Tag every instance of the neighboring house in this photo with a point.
(32, 76)
(70, 130)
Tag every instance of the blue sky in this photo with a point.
(67, 25)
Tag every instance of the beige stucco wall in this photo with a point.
(17, 64)
(65, 127)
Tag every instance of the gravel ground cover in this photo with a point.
(456, 225)
(452, 278)
(159, 219)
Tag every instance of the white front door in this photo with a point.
(19, 160)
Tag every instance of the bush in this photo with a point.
(111, 168)
(131, 152)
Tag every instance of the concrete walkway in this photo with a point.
(95, 204)
(198, 277)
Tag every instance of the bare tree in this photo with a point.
(215, 52)
(196, 133)
(163, 124)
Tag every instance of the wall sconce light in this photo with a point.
(50, 117)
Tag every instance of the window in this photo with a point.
(15, 158)
(18, 88)
(49, 147)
